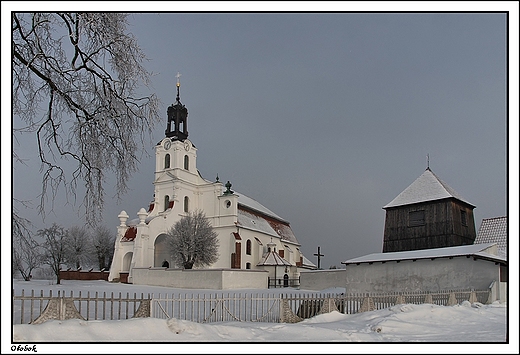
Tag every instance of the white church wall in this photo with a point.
(421, 275)
(322, 279)
(218, 279)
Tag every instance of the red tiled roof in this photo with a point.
(130, 234)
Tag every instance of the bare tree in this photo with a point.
(77, 246)
(103, 246)
(53, 248)
(26, 251)
(193, 242)
(83, 70)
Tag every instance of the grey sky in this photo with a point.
(325, 118)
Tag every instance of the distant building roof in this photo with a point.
(427, 187)
(493, 230)
(307, 263)
(483, 251)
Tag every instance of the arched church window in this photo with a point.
(186, 204)
(166, 202)
(248, 265)
(248, 247)
(167, 161)
(186, 162)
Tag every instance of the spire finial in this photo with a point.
(228, 189)
(428, 161)
(178, 76)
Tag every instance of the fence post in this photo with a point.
(492, 292)
(329, 305)
(400, 300)
(452, 301)
(286, 313)
(59, 308)
(144, 310)
(472, 297)
(368, 305)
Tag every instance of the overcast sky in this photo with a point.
(324, 118)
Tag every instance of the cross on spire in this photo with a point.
(319, 255)
(178, 76)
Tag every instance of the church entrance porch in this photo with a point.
(161, 252)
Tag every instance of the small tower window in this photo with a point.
(248, 265)
(166, 202)
(186, 204)
(186, 162)
(416, 218)
(167, 161)
(463, 218)
(248, 247)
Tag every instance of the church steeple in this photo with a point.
(177, 126)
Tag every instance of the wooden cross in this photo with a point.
(319, 255)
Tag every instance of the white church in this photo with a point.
(257, 248)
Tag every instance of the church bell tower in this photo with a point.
(177, 126)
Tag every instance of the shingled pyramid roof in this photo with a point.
(493, 230)
(427, 187)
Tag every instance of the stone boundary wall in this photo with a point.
(317, 280)
(216, 279)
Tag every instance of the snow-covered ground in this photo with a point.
(407, 323)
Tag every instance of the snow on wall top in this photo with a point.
(427, 187)
(474, 249)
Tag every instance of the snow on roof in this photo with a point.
(272, 258)
(307, 262)
(493, 230)
(253, 221)
(427, 187)
(255, 205)
(482, 250)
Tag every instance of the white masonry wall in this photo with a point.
(422, 275)
(218, 279)
(318, 280)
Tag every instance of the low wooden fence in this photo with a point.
(206, 308)
(309, 305)
(90, 305)
(218, 307)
